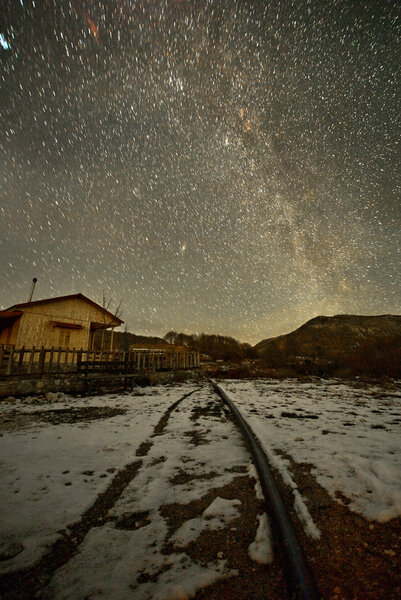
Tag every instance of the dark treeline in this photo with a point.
(218, 347)
(122, 340)
(375, 356)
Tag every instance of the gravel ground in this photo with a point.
(355, 559)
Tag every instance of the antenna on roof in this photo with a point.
(34, 280)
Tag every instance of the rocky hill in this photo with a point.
(357, 343)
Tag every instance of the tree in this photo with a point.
(170, 337)
(106, 303)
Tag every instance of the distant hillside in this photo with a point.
(360, 344)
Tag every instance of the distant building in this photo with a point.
(155, 347)
(62, 322)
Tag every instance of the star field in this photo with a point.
(221, 166)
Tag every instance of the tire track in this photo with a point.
(27, 583)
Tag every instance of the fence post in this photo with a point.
(42, 354)
(10, 361)
(79, 359)
(31, 360)
(51, 359)
(58, 359)
(21, 358)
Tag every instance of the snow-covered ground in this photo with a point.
(51, 473)
(351, 435)
(121, 555)
(48, 465)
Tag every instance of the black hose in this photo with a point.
(299, 578)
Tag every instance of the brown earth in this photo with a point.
(355, 559)
(16, 419)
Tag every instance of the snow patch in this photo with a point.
(300, 507)
(221, 507)
(216, 516)
(122, 564)
(253, 474)
(304, 516)
(185, 581)
(261, 550)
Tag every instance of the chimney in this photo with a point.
(34, 280)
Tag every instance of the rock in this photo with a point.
(359, 521)
(11, 551)
(9, 399)
(52, 397)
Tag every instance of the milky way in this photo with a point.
(219, 166)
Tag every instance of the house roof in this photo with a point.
(8, 317)
(59, 299)
(13, 314)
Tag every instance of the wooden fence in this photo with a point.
(40, 361)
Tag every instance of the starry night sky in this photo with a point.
(220, 166)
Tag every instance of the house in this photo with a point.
(62, 322)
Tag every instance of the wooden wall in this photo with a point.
(9, 334)
(36, 327)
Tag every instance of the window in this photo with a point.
(65, 337)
